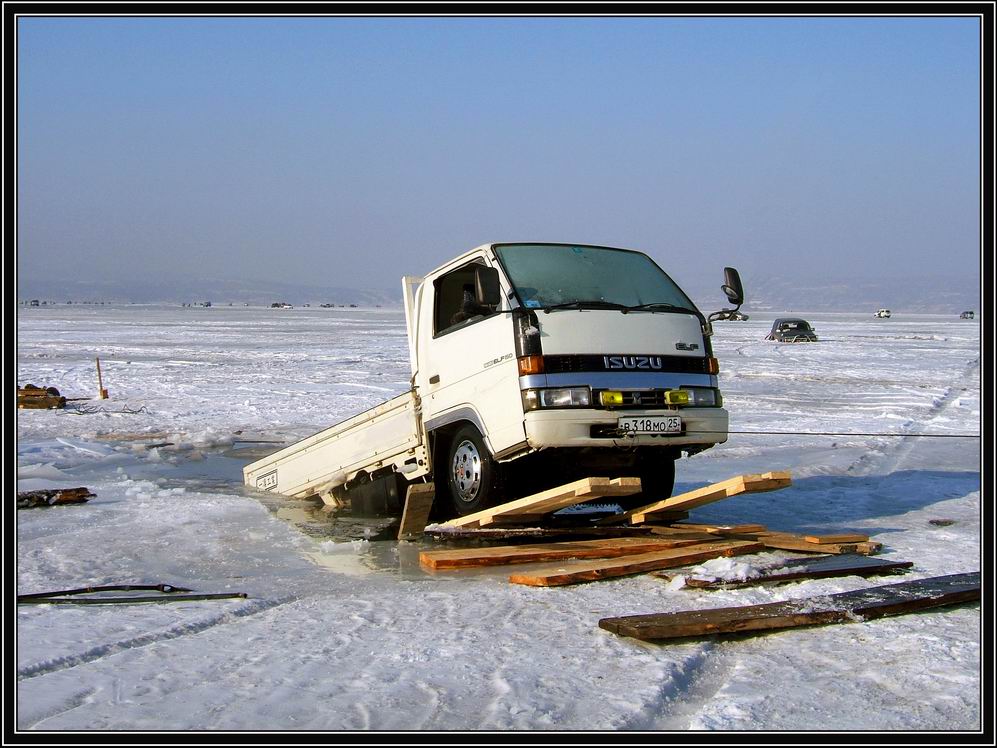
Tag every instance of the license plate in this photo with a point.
(661, 425)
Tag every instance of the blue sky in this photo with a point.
(352, 151)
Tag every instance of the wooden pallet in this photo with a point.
(846, 607)
(534, 508)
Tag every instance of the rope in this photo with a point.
(844, 433)
(86, 410)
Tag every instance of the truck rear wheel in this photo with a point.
(471, 473)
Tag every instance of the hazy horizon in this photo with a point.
(350, 151)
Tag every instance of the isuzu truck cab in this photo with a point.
(532, 365)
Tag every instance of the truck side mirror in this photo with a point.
(732, 286)
(486, 286)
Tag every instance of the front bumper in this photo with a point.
(574, 427)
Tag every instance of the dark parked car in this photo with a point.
(792, 330)
(967, 315)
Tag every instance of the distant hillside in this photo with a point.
(197, 290)
(940, 295)
(780, 293)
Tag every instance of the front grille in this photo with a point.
(572, 364)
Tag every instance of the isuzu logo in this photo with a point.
(632, 362)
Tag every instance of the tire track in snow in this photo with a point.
(75, 701)
(687, 686)
(173, 632)
(895, 451)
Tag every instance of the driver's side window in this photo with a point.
(455, 300)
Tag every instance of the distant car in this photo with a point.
(967, 315)
(732, 314)
(792, 330)
(884, 313)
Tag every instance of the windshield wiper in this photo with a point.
(663, 306)
(593, 304)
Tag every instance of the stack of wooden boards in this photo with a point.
(652, 538)
(657, 541)
(664, 547)
(33, 397)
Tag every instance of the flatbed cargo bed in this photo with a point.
(389, 434)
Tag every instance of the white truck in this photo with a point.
(532, 365)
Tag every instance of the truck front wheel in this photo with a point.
(657, 479)
(472, 475)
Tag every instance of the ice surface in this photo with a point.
(352, 634)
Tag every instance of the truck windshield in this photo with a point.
(547, 275)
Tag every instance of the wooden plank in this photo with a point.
(845, 537)
(845, 607)
(44, 402)
(553, 576)
(715, 492)
(672, 532)
(551, 500)
(415, 514)
(535, 552)
(573, 532)
(820, 567)
(788, 542)
(724, 529)
(598, 488)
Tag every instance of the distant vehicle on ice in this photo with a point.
(281, 305)
(738, 316)
(792, 330)
(884, 313)
(967, 315)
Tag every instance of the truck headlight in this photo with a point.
(702, 396)
(561, 397)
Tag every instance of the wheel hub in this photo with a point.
(466, 471)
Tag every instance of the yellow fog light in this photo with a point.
(611, 397)
(677, 397)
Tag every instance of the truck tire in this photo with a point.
(657, 480)
(472, 475)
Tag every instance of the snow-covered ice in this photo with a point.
(348, 632)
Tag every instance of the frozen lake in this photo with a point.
(343, 634)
